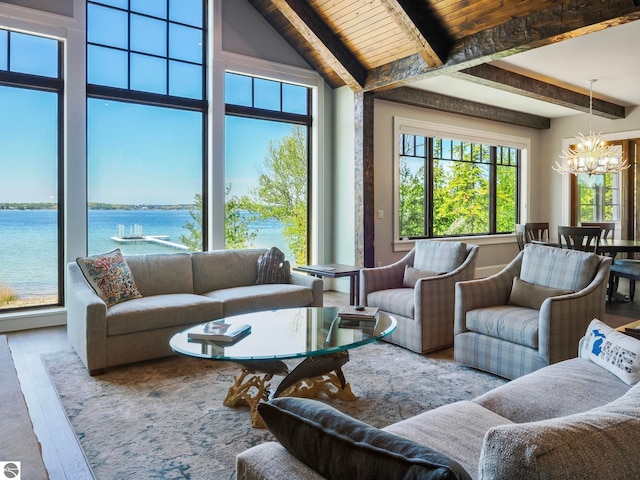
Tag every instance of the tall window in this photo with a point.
(31, 89)
(453, 187)
(146, 116)
(267, 165)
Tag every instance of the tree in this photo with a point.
(282, 190)
(237, 233)
(194, 239)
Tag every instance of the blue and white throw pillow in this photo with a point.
(612, 350)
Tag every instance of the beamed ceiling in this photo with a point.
(401, 50)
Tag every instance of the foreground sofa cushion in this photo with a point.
(109, 276)
(340, 447)
(252, 298)
(612, 350)
(600, 443)
(273, 268)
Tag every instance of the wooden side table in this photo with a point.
(336, 270)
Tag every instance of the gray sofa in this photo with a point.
(177, 291)
(572, 419)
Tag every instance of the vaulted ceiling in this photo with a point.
(447, 54)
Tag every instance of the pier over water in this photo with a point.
(136, 236)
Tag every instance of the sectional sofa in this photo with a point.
(579, 418)
(176, 291)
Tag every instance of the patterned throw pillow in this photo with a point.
(273, 268)
(109, 276)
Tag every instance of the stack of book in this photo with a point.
(355, 312)
(219, 331)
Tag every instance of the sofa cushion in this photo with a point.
(394, 300)
(110, 277)
(600, 443)
(578, 385)
(224, 269)
(340, 447)
(251, 298)
(441, 429)
(525, 294)
(558, 267)
(412, 275)
(161, 311)
(159, 274)
(515, 324)
(273, 268)
(439, 256)
(612, 350)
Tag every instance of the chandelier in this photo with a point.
(591, 155)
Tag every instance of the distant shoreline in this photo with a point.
(94, 206)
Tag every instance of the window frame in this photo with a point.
(53, 85)
(450, 132)
(129, 95)
(305, 120)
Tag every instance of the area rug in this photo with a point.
(165, 419)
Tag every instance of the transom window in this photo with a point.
(154, 47)
(450, 187)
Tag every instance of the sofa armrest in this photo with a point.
(485, 292)
(383, 278)
(314, 283)
(564, 318)
(86, 321)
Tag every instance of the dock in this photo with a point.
(136, 236)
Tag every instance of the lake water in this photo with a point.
(28, 241)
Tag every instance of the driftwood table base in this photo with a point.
(313, 377)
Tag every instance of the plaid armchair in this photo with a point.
(532, 313)
(418, 291)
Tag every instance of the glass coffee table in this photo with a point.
(315, 334)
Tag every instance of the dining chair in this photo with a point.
(608, 229)
(586, 239)
(521, 235)
(537, 231)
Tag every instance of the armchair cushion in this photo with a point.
(525, 294)
(514, 324)
(399, 301)
(557, 267)
(340, 447)
(613, 351)
(412, 275)
(439, 256)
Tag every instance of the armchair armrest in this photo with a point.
(485, 292)
(86, 320)
(383, 278)
(435, 295)
(564, 319)
(314, 283)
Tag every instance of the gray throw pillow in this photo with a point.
(273, 268)
(412, 275)
(525, 294)
(340, 447)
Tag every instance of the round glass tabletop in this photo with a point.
(288, 333)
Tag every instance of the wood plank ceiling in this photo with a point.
(382, 46)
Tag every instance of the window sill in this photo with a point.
(505, 238)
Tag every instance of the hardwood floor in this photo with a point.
(61, 451)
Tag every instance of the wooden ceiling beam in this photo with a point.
(443, 103)
(419, 23)
(551, 25)
(317, 33)
(505, 80)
